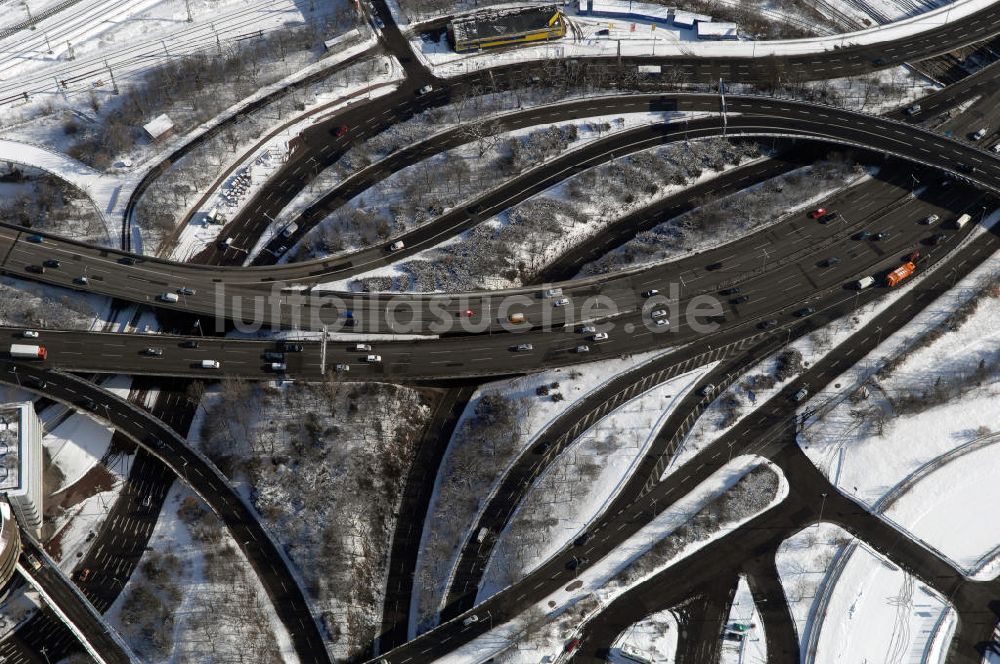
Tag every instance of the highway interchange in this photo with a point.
(781, 281)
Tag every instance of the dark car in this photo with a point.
(272, 356)
(572, 644)
(36, 382)
(965, 168)
(881, 235)
(863, 235)
(190, 343)
(52, 262)
(542, 448)
(35, 269)
(730, 291)
(577, 562)
(582, 539)
(740, 300)
(126, 260)
(831, 261)
(828, 217)
(767, 324)
(289, 347)
(938, 238)
(714, 266)
(36, 239)
(913, 256)
(805, 311)
(340, 131)
(474, 209)
(154, 352)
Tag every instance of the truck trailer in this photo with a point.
(27, 352)
(900, 273)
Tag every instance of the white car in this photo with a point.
(29, 334)
(553, 292)
(588, 329)
(708, 389)
(343, 367)
(583, 349)
(996, 148)
(523, 348)
(363, 348)
(662, 322)
(561, 302)
(931, 219)
(979, 134)
(471, 619)
(659, 313)
(373, 359)
(424, 90)
(600, 336)
(396, 246)
(210, 364)
(801, 394)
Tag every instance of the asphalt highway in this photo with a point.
(769, 432)
(203, 477)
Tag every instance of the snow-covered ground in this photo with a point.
(667, 40)
(746, 643)
(453, 510)
(582, 482)
(25, 303)
(654, 637)
(76, 446)
(194, 594)
(916, 443)
(542, 631)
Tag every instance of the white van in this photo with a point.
(864, 282)
(397, 245)
(168, 297)
(290, 229)
(210, 364)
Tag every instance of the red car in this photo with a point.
(571, 646)
(817, 213)
(340, 131)
(85, 574)
(914, 255)
(468, 313)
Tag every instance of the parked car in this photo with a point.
(979, 134)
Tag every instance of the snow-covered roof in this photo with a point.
(159, 125)
(500, 22)
(688, 19)
(340, 39)
(626, 8)
(718, 30)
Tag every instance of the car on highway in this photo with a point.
(152, 351)
(730, 291)
(224, 243)
(572, 644)
(714, 266)
(831, 261)
(81, 280)
(740, 300)
(373, 359)
(817, 213)
(475, 209)
(35, 239)
(996, 148)
(805, 311)
(210, 364)
(600, 336)
(168, 297)
(881, 235)
(425, 90)
(931, 219)
(289, 347)
(543, 447)
(583, 348)
(552, 292)
(965, 168)
(937, 238)
(659, 313)
(524, 348)
(184, 290)
(342, 367)
(913, 110)
(85, 574)
(471, 620)
(767, 324)
(468, 313)
(126, 260)
(576, 562)
(863, 235)
(828, 217)
(800, 394)
(363, 348)
(583, 539)
(979, 134)
(277, 366)
(588, 329)
(274, 356)
(51, 262)
(708, 389)
(340, 131)
(650, 293)
(35, 269)
(561, 302)
(29, 334)
(913, 256)
(36, 382)
(397, 245)
(33, 561)
(190, 343)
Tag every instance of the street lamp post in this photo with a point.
(822, 504)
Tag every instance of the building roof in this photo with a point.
(15, 453)
(159, 125)
(718, 30)
(682, 17)
(499, 22)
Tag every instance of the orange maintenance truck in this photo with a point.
(900, 273)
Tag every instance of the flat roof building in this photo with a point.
(684, 19)
(21, 463)
(159, 126)
(506, 27)
(718, 31)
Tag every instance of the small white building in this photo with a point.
(688, 20)
(21, 463)
(159, 126)
(727, 31)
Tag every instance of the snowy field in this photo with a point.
(856, 606)
(654, 637)
(900, 444)
(752, 647)
(541, 632)
(582, 482)
(453, 510)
